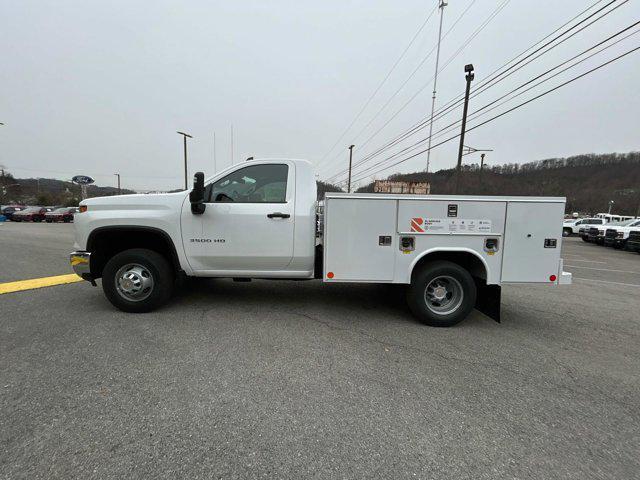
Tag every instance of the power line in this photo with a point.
(460, 49)
(384, 80)
(491, 82)
(448, 108)
(454, 126)
(537, 97)
(415, 70)
(477, 113)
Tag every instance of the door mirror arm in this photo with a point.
(196, 196)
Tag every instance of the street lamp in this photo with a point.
(118, 175)
(184, 136)
(469, 77)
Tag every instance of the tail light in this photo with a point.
(82, 209)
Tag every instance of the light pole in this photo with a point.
(118, 175)
(469, 77)
(184, 137)
(611, 202)
(350, 161)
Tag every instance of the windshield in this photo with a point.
(31, 210)
(60, 210)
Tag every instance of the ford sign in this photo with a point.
(82, 180)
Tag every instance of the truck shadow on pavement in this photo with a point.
(373, 303)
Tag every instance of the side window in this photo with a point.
(254, 184)
(597, 222)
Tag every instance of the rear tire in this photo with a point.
(441, 294)
(138, 280)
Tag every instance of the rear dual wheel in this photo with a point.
(441, 294)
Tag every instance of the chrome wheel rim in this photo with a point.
(443, 295)
(134, 282)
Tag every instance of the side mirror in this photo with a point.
(196, 197)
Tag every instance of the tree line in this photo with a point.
(588, 181)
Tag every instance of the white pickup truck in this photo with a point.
(617, 234)
(258, 220)
(573, 226)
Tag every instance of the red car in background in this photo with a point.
(61, 215)
(29, 214)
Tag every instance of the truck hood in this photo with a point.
(136, 201)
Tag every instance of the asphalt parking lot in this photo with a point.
(305, 380)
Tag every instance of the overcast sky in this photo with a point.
(95, 88)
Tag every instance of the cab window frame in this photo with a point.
(209, 187)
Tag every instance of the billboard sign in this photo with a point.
(388, 186)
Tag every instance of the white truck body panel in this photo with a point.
(354, 224)
(525, 258)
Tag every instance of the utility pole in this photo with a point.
(350, 161)
(443, 4)
(184, 137)
(118, 175)
(469, 77)
(214, 153)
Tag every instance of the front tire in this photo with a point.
(441, 294)
(138, 280)
(566, 232)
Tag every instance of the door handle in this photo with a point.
(278, 215)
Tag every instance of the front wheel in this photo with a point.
(441, 294)
(138, 280)
(566, 232)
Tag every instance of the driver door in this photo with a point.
(248, 222)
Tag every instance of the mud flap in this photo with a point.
(488, 300)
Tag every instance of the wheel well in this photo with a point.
(104, 243)
(466, 260)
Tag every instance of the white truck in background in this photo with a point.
(573, 226)
(258, 220)
(616, 235)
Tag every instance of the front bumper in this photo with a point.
(81, 264)
(633, 245)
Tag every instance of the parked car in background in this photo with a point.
(9, 210)
(616, 235)
(30, 214)
(573, 226)
(64, 214)
(633, 243)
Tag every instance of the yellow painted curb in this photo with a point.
(11, 287)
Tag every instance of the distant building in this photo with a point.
(388, 186)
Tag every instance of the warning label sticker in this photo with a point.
(450, 225)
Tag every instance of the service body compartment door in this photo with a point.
(533, 236)
(360, 239)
